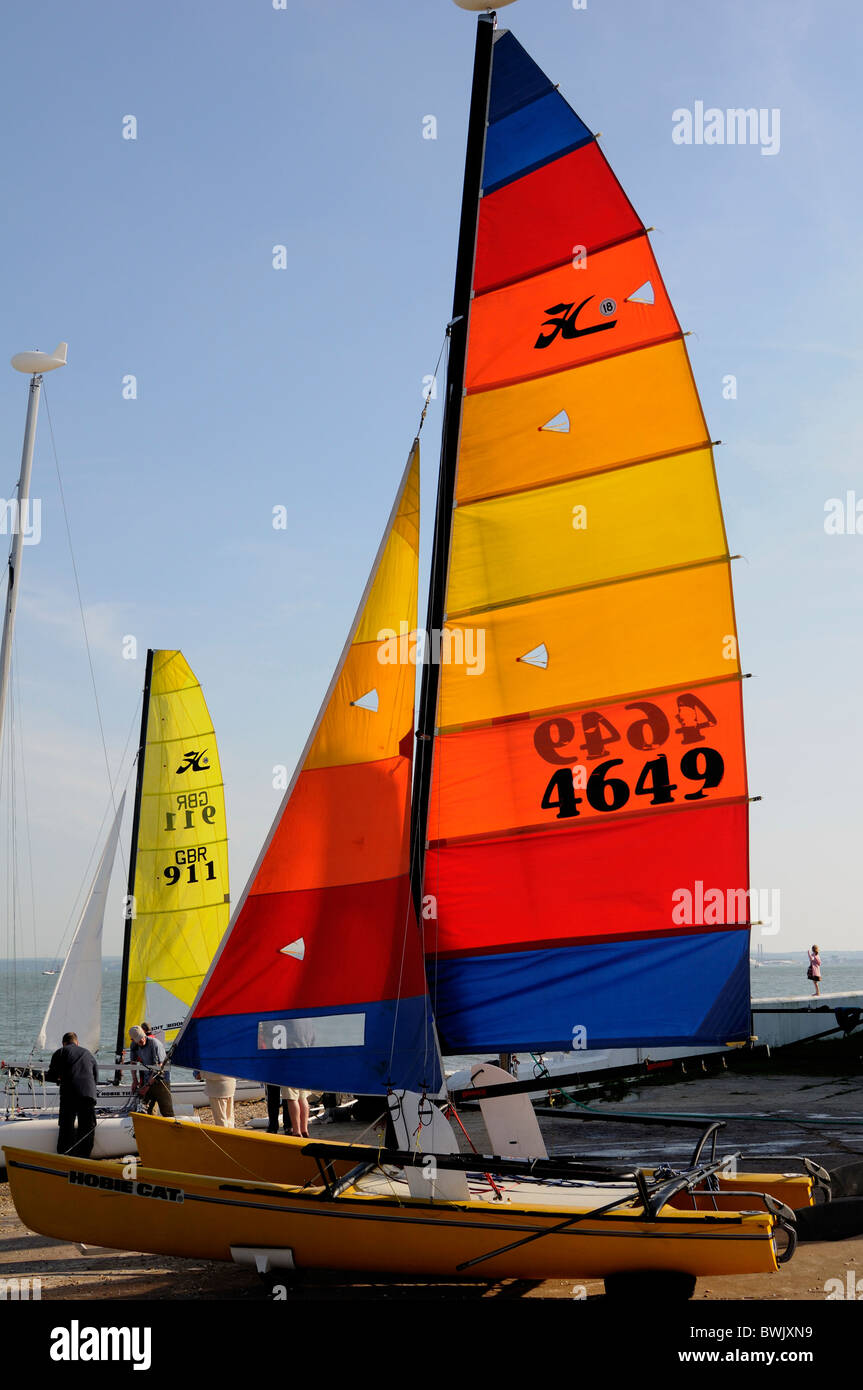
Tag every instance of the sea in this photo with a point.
(25, 991)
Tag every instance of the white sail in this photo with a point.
(76, 1004)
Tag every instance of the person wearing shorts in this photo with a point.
(298, 1110)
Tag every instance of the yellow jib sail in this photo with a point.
(181, 891)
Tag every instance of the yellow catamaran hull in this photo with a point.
(173, 1213)
(186, 1147)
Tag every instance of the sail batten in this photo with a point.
(589, 576)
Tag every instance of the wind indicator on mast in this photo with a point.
(34, 364)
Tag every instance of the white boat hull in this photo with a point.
(115, 1136)
(32, 1096)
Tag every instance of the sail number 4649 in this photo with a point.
(605, 793)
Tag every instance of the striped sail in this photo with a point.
(319, 982)
(587, 824)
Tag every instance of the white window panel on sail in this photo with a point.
(537, 656)
(323, 1030)
(558, 424)
(369, 701)
(297, 949)
(643, 295)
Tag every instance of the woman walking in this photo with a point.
(814, 971)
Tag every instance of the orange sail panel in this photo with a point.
(319, 983)
(589, 790)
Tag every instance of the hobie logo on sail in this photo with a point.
(720, 907)
(563, 321)
(193, 761)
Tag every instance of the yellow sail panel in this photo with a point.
(397, 574)
(629, 521)
(181, 894)
(377, 674)
(679, 627)
(634, 406)
(368, 682)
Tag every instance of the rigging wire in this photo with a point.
(78, 594)
(429, 1037)
(16, 736)
(77, 903)
(16, 684)
(430, 394)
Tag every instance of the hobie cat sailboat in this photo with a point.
(563, 789)
(177, 906)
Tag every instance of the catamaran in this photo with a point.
(176, 912)
(509, 886)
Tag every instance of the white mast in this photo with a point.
(34, 364)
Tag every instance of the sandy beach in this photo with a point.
(804, 1111)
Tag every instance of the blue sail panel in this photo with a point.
(515, 79)
(676, 991)
(530, 137)
(364, 1048)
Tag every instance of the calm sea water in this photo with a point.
(25, 992)
(24, 996)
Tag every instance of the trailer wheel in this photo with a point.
(650, 1286)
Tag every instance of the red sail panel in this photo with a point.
(612, 879)
(581, 208)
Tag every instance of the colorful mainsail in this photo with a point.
(180, 850)
(590, 781)
(320, 980)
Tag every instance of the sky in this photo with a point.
(258, 387)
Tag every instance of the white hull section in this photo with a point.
(34, 1096)
(114, 1136)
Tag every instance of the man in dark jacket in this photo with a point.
(75, 1071)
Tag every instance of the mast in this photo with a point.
(133, 856)
(34, 364)
(458, 333)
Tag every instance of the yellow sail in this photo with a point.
(181, 893)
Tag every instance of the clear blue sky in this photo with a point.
(303, 387)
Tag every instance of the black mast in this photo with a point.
(451, 434)
(133, 856)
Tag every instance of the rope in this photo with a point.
(452, 1114)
